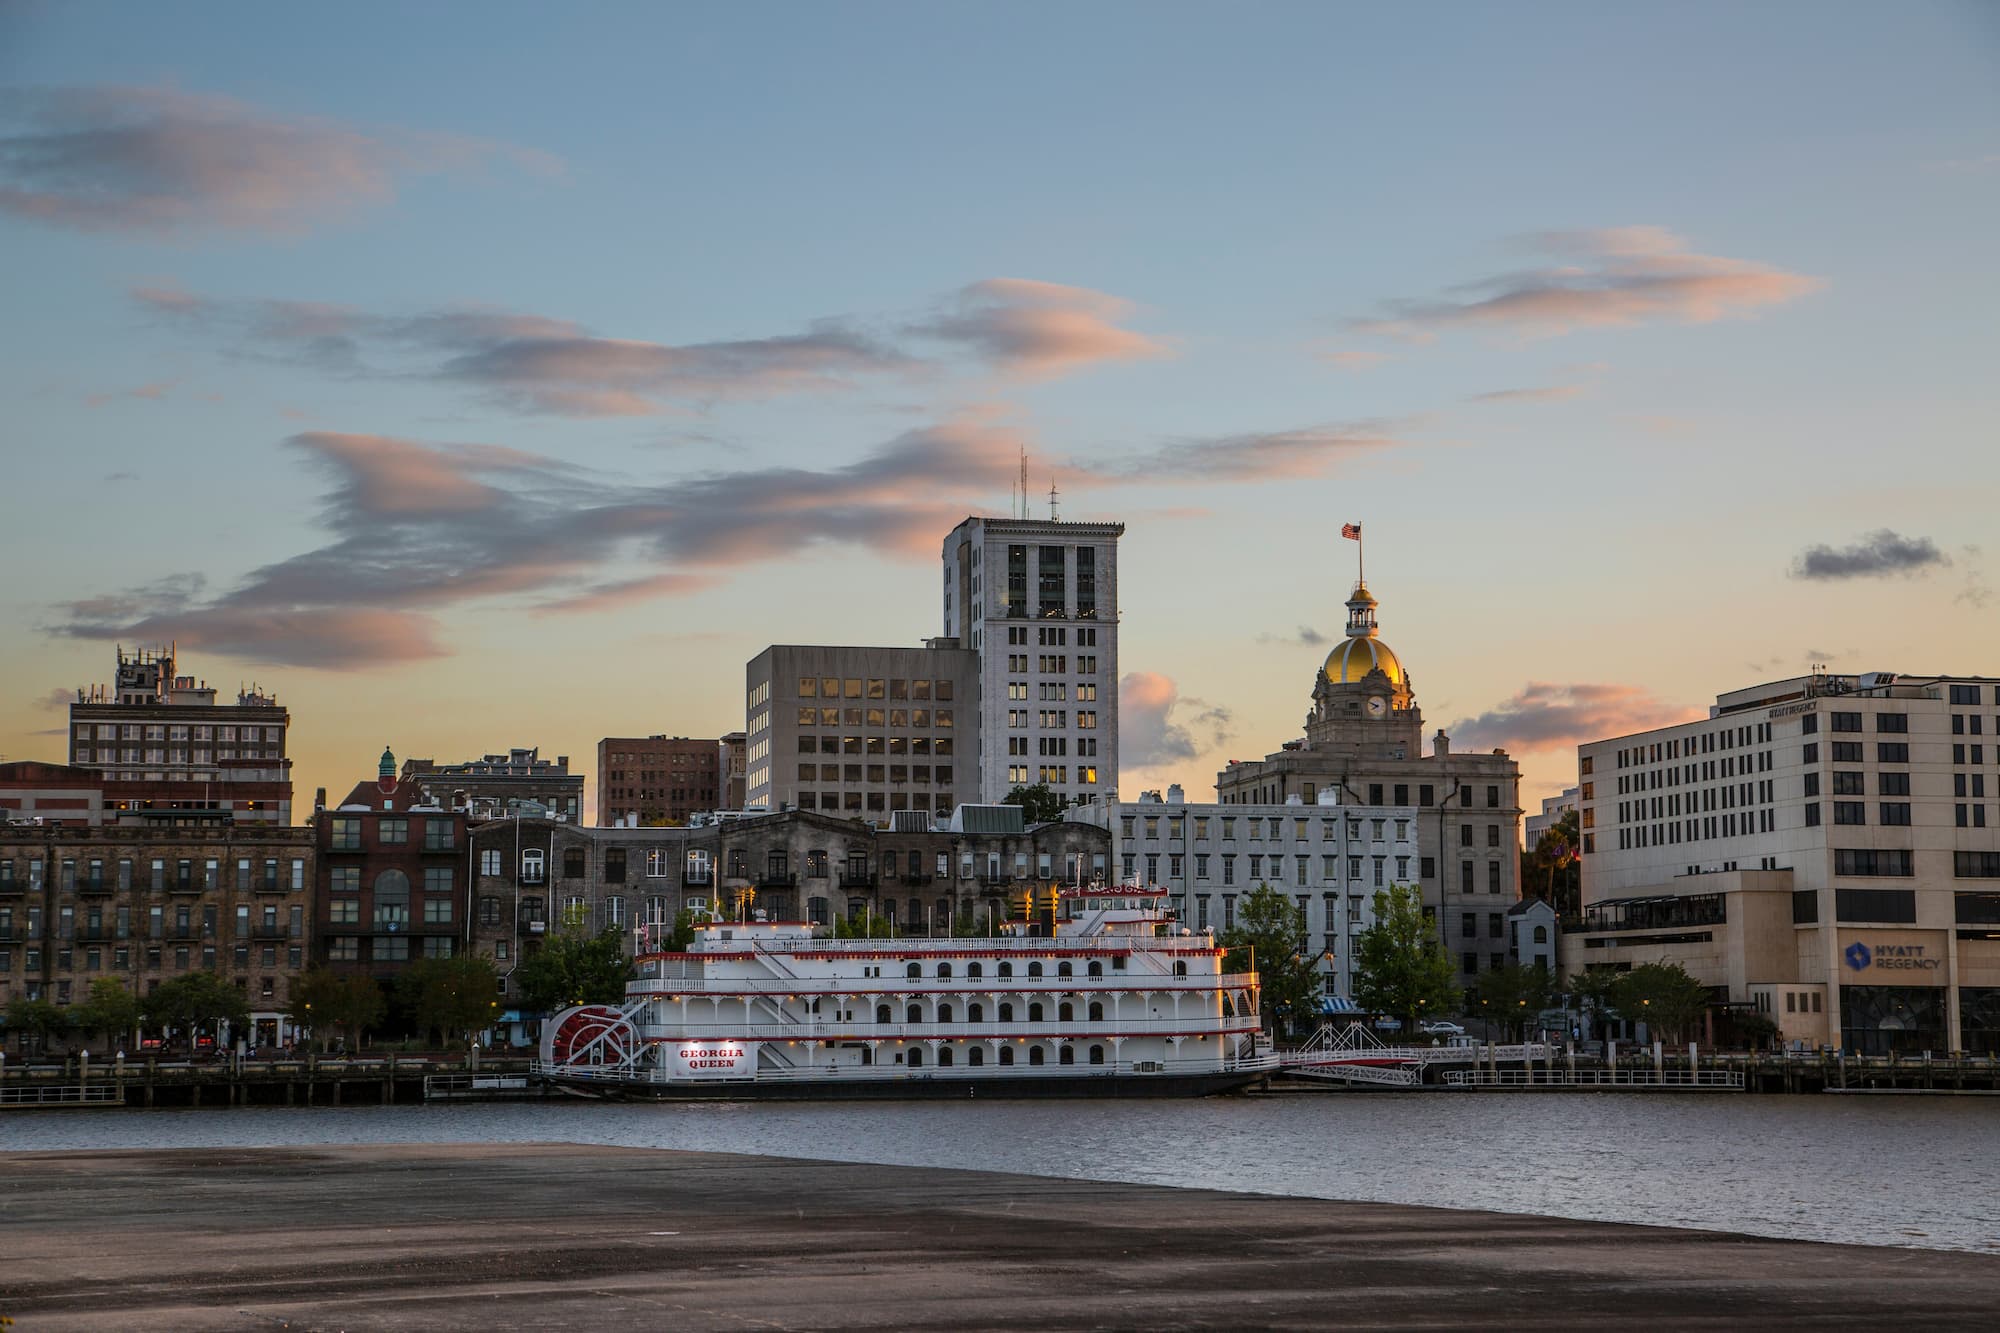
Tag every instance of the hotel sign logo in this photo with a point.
(1890, 957)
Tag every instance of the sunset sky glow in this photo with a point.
(476, 377)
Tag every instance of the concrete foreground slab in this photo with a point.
(553, 1236)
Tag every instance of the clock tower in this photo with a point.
(1363, 703)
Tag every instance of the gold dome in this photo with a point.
(1351, 661)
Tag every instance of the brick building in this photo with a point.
(657, 779)
(170, 754)
(497, 784)
(392, 876)
(144, 905)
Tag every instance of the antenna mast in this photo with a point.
(1024, 482)
(1052, 500)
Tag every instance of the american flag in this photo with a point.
(1352, 531)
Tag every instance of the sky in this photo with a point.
(508, 375)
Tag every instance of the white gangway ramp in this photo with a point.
(1353, 1054)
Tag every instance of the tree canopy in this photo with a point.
(1039, 804)
(38, 1018)
(112, 1011)
(1513, 995)
(198, 1002)
(1664, 997)
(1399, 966)
(1270, 934)
(452, 997)
(574, 967)
(325, 1002)
(1553, 868)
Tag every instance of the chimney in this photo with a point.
(1175, 796)
(1440, 745)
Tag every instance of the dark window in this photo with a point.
(1810, 755)
(1893, 784)
(1892, 864)
(1895, 812)
(1892, 752)
(1892, 723)
(1809, 725)
(1965, 694)
(614, 865)
(1899, 905)
(1805, 906)
(1493, 798)
(1849, 784)
(1850, 812)
(1812, 815)
(573, 863)
(1976, 865)
(1847, 721)
(1979, 909)
(1812, 784)
(1847, 752)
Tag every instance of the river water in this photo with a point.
(1876, 1170)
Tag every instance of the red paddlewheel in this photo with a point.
(594, 1035)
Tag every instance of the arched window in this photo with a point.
(1034, 969)
(1096, 1012)
(534, 866)
(944, 1013)
(392, 898)
(916, 1059)
(975, 1014)
(1065, 1012)
(914, 970)
(1006, 969)
(914, 1014)
(1180, 968)
(882, 1012)
(944, 1055)
(975, 1056)
(1541, 934)
(1034, 1013)
(1065, 970)
(1006, 1012)
(1006, 1055)
(974, 971)
(944, 971)
(1097, 1055)
(1066, 1056)
(1034, 1055)
(1096, 968)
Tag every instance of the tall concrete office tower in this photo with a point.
(1037, 599)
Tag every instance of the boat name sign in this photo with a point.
(712, 1059)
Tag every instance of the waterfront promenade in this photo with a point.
(555, 1236)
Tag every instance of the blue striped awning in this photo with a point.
(1338, 1004)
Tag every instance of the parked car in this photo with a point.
(1440, 1027)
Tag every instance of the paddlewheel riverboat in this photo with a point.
(1098, 994)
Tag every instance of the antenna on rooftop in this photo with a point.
(1024, 483)
(1052, 499)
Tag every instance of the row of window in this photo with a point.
(94, 874)
(131, 731)
(876, 774)
(1273, 869)
(95, 923)
(439, 834)
(1378, 794)
(854, 687)
(903, 718)
(1254, 828)
(133, 754)
(1707, 742)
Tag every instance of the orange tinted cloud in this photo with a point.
(1608, 277)
(160, 160)
(1039, 329)
(1546, 716)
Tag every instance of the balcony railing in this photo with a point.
(851, 880)
(95, 887)
(778, 879)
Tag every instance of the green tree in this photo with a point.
(1399, 966)
(1553, 868)
(112, 1011)
(39, 1019)
(1039, 805)
(198, 1002)
(1663, 997)
(680, 937)
(452, 997)
(324, 1002)
(872, 926)
(1512, 995)
(1591, 994)
(1270, 935)
(574, 967)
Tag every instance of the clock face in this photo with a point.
(1377, 705)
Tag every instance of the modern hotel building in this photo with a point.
(1824, 851)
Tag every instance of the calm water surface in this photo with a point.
(1914, 1171)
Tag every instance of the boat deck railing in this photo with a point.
(820, 1073)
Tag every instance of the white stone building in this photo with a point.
(1037, 600)
(1553, 809)
(1331, 859)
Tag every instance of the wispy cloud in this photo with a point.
(1546, 716)
(1875, 555)
(151, 392)
(416, 528)
(55, 701)
(1553, 393)
(539, 364)
(1307, 637)
(1253, 456)
(1348, 358)
(164, 161)
(1038, 330)
(1593, 279)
